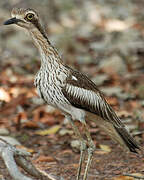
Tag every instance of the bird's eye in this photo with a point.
(30, 16)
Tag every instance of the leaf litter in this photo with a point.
(92, 36)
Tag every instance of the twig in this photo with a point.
(134, 176)
(7, 153)
(13, 157)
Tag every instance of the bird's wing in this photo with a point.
(82, 93)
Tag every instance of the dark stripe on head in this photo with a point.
(38, 26)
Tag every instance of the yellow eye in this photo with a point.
(30, 16)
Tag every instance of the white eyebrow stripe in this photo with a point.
(17, 16)
(30, 12)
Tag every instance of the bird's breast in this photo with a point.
(49, 86)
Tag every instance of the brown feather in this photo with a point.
(102, 112)
(102, 108)
(118, 134)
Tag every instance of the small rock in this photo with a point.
(10, 140)
(66, 120)
(37, 101)
(113, 64)
(4, 131)
(63, 132)
(100, 79)
(109, 91)
(126, 96)
(86, 59)
(75, 144)
(50, 109)
(131, 127)
(118, 92)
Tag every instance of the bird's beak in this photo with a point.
(11, 21)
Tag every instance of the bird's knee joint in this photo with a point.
(83, 146)
(92, 145)
(91, 150)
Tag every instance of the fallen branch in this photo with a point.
(13, 157)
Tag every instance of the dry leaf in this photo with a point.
(48, 119)
(123, 178)
(9, 107)
(112, 101)
(4, 95)
(25, 148)
(124, 113)
(31, 124)
(45, 159)
(105, 148)
(52, 130)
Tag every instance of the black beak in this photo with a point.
(11, 21)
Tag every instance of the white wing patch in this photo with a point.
(74, 78)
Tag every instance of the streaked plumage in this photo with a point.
(69, 90)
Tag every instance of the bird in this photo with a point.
(71, 91)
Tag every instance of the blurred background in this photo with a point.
(103, 39)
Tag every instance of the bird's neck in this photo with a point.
(49, 55)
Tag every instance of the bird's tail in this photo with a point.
(127, 139)
(118, 134)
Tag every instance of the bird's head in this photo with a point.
(26, 18)
(29, 19)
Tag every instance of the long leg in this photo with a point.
(82, 146)
(82, 150)
(91, 149)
